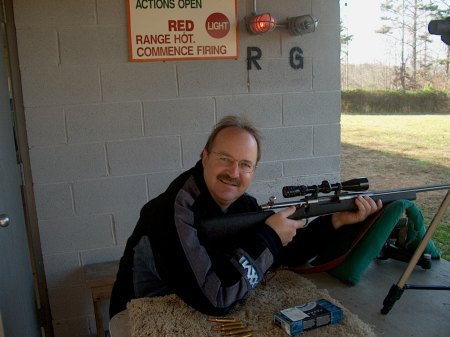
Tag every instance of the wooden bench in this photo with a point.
(100, 278)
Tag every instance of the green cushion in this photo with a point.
(416, 231)
(357, 261)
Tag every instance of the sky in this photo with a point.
(362, 18)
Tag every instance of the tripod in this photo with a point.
(397, 289)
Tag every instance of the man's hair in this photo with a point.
(237, 122)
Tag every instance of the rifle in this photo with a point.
(216, 230)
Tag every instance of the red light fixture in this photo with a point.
(264, 23)
(260, 23)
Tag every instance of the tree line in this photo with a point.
(405, 26)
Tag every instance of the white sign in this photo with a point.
(182, 29)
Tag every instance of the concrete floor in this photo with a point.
(418, 313)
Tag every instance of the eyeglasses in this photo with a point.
(245, 166)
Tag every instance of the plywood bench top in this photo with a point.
(100, 274)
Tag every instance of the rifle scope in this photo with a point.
(355, 185)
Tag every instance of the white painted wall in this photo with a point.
(106, 135)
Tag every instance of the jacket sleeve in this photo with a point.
(308, 242)
(211, 281)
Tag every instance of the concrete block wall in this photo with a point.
(107, 135)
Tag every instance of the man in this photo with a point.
(164, 254)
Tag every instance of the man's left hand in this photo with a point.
(366, 206)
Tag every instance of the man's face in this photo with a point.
(226, 166)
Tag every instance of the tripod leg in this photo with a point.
(397, 290)
(394, 294)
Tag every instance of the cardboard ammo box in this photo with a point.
(307, 316)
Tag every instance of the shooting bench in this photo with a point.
(100, 278)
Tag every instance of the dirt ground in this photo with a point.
(386, 171)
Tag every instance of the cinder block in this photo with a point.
(38, 46)
(68, 163)
(326, 11)
(287, 143)
(50, 12)
(53, 201)
(100, 122)
(109, 195)
(312, 166)
(285, 8)
(144, 155)
(311, 108)
(322, 47)
(277, 75)
(192, 146)
(63, 269)
(79, 298)
(263, 190)
(263, 111)
(112, 12)
(178, 116)
(268, 170)
(63, 235)
(60, 85)
(93, 45)
(242, 9)
(307, 43)
(45, 126)
(101, 254)
(124, 224)
(158, 182)
(269, 45)
(326, 76)
(138, 81)
(76, 326)
(327, 140)
(227, 77)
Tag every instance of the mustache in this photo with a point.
(229, 180)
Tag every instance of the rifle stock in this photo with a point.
(217, 230)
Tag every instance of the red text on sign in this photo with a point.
(181, 25)
(153, 39)
(183, 38)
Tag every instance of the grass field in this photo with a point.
(397, 151)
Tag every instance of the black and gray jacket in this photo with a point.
(164, 254)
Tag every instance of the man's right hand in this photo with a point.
(284, 227)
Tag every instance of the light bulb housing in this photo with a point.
(260, 23)
(303, 24)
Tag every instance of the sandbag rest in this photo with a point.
(395, 249)
(348, 259)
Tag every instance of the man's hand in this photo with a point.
(284, 227)
(366, 206)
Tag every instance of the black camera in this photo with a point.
(442, 28)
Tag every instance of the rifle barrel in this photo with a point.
(418, 189)
(386, 196)
(217, 230)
